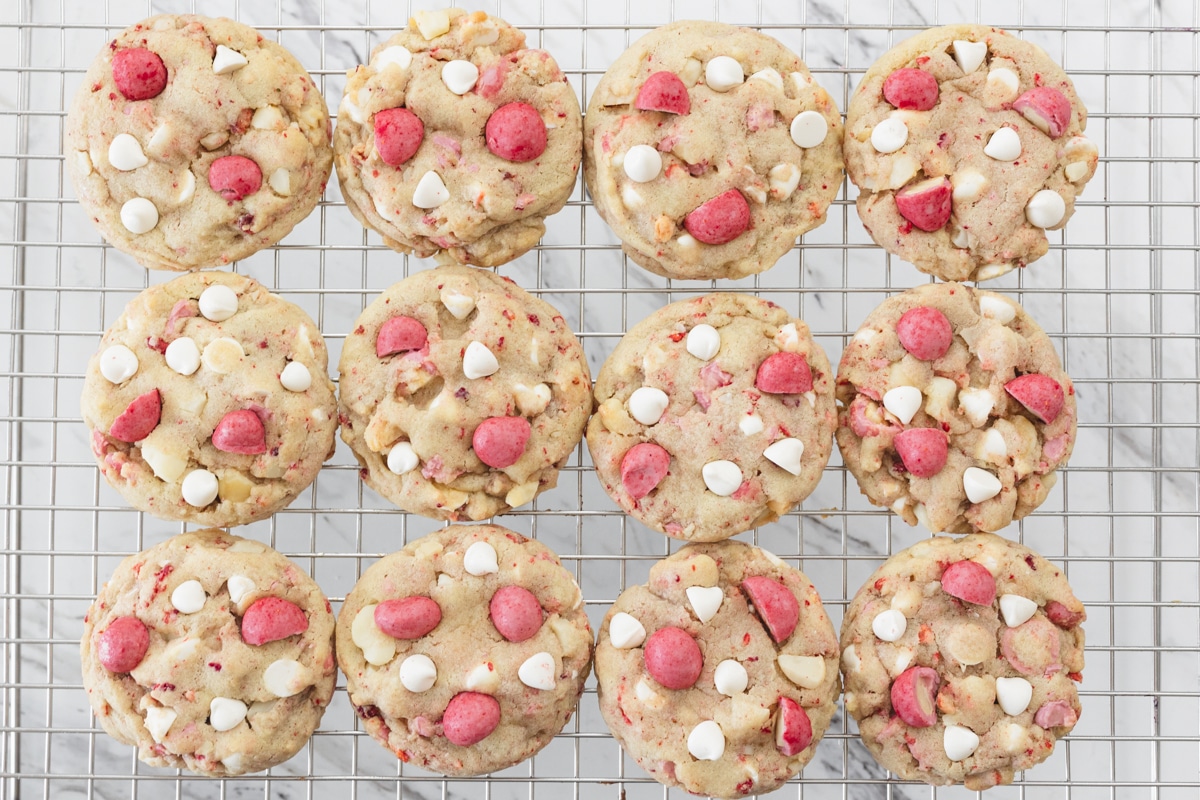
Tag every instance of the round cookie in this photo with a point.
(719, 675)
(466, 651)
(211, 653)
(456, 137)
(461, 394)
(714, 415)
(966, 144)
(960, 658)
(194, 142)
(209, 401)
(709, 148)
(955, 411)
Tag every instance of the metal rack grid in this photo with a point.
(1119, 293)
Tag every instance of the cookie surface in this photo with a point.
(209, 401)
(466, 651)
(960, 658)
(966, 145)
(194, 142)
(749, 660)
(709, 148)
(713, 415)
(457, 137)
(211, 653)
(461, 394)
(954, 411)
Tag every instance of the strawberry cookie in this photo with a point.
(461, 394)
(955, 410)
(967, 145)
(709, 148)
(960, 658)
(714, 415)
(466, 651)
(456, 137)
(194, 142)
(211, 653)
(719, 675)
(209, 401)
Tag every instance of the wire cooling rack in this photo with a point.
(1119, 292)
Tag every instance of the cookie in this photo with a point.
(720, 675)
(966, 145)
(194, 142)
(708, 149)
(960, 658)
(466, 651)
(954, 409)
(458, 138)
(714, 415)
(461, 394)
(211, 653)
(209, 401)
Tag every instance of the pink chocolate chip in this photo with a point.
(926, 204)
(398, 335)
(925, 332)
(1041, 394)
(516, 132)
(776, 606)
(720, 220)
(240, 432)
(1046, 108)
(642, 468)
(271, 619)
(663, 91)
(138, 73)
(516, 613)
(912, 89)
(923, 451)
(398, 134)
(970, 582)
(500, 441)
(784, 373)
(1062, 616)
(470, 717)
(123, 644)
(234, 177)
(914, 694)
(673, 658)
(408, 617)
(138, 419)
(1055, 714)
(793, 733)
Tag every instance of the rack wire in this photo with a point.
(1119, 294)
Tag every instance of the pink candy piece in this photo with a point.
(1041, 394)
(271, 619)
(1062, 616)
(642, 468)
(398, 134)
(516, 132)
(673, 658)
(234, 177)
(926, 204)
(923, 451)
(720, 220)
(1046, 108)
(914, 694)
(409, 617)
(912, 89)
(776, 606)
(138, 419)
(240, 432)
(925, 332)
(470, 717)
(784, 373)
(516, 613)
(138, 73)
(1055, 714)
(663, 91)
(123, 644)
(500, 441)
(970, 582)
(793, 732)
(398, 335)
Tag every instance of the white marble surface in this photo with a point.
(1118, 292)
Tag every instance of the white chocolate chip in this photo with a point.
(181, 650)
(187, 187)
(458, 304)
(394, 56)
(537, 671)
(809, 129)
(125, 153)
(783, 180)
(227, 61)
(351, 110)
(688, 246)
(295, 377)
(850, 658)
(997, 308)
(705, 600)
(1016, 610)
(889, 625)
(233, 763)
(480, 559)
(222, 355)
(1014, 738)
(83, 162)
(281, 182)
(479, 361)
(239, 587)
(285, 677)
(989, 271)
(904, 168)
(160, 138)
(268, 118)
(647, 404)
(1014, 695)
(807, 672)
(722, 477)
(769, 75)
(225, 713)
(1005, 145)
(166, 464)
(706, 742)
(647, 696)
(703, 342)
(1076, 171)
(889, 135)
(118, 364)
(690, 72)
(460, 76)
(642, 163)
(139, 215)
(980, 485)
(199, 488)
(432, 24)
(158, 721)
(377, 647)
(993, 446)
(904, 402)
(247, 546)
(624, 631)
(402, 459)
(730, 678)
(976, 405)
(751, 424)
(430, 191)
(521, 494)
(532, 401)
(418, 673)
(959, 742)
(188, 597)
(183, 356)
(1046, 209)
(218, 303)
(969, 184)
(904, 657)
(1004, 83)
(786, 454)
(483, 678)
(214, 140)
(723, 73)
(969, 55)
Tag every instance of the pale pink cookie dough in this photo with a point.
(961, 659)
(966, 144)
(955, 411)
